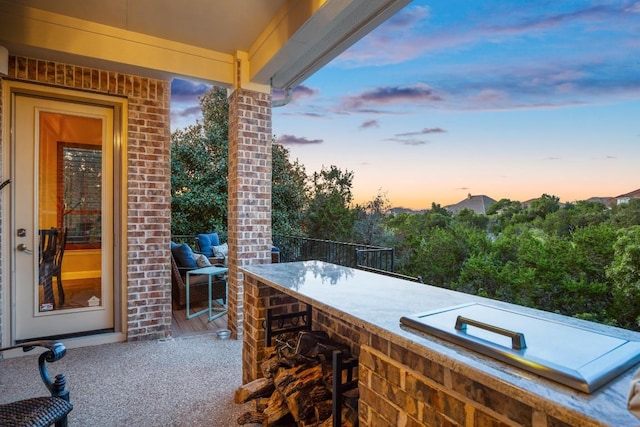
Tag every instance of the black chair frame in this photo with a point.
(51, 252)
(40, 411)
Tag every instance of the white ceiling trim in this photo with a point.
(333, 28)
(52, 36)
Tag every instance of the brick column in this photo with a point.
(249, 219)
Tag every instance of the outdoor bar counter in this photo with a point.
(414, 378)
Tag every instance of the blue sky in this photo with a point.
(510, 99)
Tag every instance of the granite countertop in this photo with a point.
(377, 302)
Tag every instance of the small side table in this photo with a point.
(209, 271)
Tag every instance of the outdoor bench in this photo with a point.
(40, 411)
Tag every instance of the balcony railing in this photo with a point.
(295, 248)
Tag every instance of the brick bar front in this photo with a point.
(412, 379)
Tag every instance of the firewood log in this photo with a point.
(260, 404)
(252, 417)
(270, 352)
(304, 390)
(270, 366)
(276, 409)
(254, 389)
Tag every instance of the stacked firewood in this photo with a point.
(296, 387)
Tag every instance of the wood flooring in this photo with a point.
(181, 326)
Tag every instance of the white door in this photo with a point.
(62, 180)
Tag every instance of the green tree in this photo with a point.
(329, 215)
(199, 171)
(572, 217)
(593, 252)
(624, 271)
(626, 214)
(199, 158)
(443, 251)
(406, 230)
(437, 217)
(505, 207)
(472, 219)
(410, 232)
(368, 227)
(543, 206)
(289, 193)
(441, 255)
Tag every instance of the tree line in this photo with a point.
(580, 259)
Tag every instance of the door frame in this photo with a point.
(120, 108)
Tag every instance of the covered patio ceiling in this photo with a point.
(261, 43)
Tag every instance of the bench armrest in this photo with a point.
(55, 351)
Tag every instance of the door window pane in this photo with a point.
(81, 186)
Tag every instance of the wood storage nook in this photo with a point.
(302, 375)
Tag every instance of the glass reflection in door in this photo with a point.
(70, 207)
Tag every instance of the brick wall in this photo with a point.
(148, 287)
(399, 387)
(249, 216)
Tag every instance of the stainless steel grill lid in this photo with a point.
(577, 357)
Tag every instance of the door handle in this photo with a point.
(23, 248)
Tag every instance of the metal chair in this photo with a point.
(40, 411)
(51, 252)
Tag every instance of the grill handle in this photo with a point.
(517, 338)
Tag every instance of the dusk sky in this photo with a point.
(510, 99)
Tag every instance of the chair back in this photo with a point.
(51, 249)
(48, 245)
(60, 245)
(175, 272)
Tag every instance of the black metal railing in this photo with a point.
(296, 248)
(376, 259)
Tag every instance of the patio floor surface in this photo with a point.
(185, 381)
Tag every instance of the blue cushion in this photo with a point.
(183, 255)
(205, 241)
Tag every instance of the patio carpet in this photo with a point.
(186, 381)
